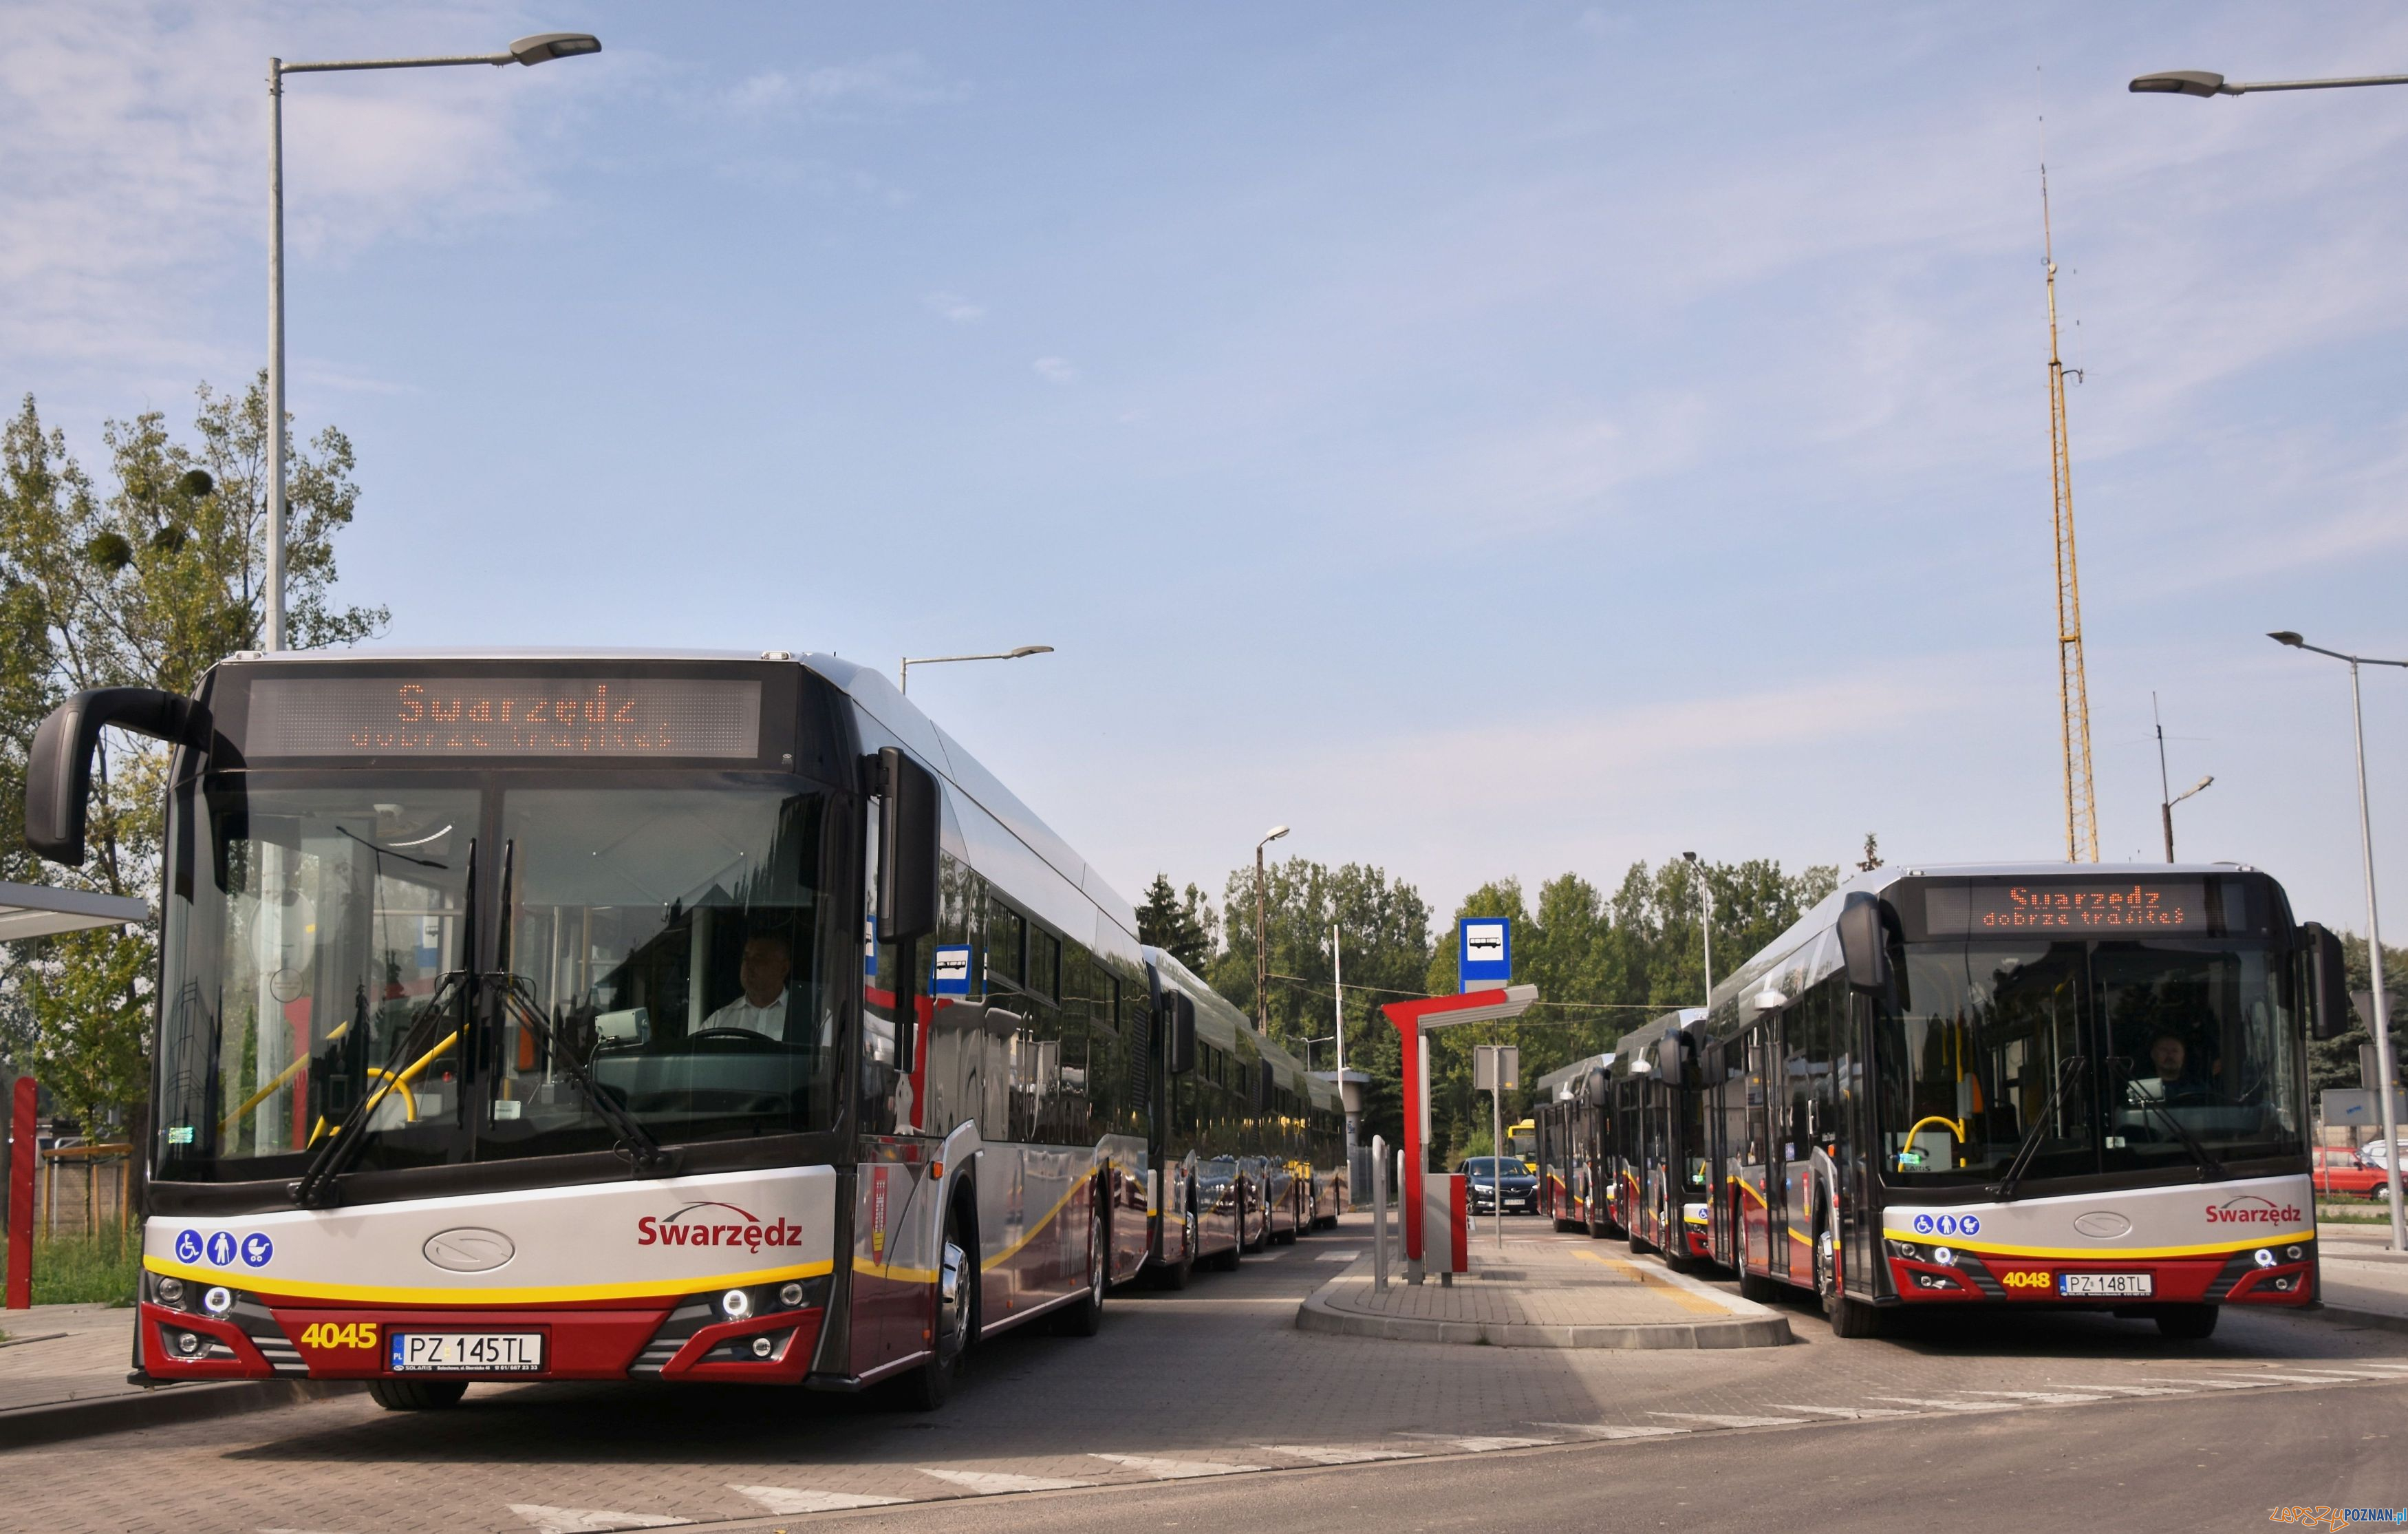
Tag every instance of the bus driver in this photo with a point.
(762, 1007)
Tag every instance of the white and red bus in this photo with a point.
(2051, 1086)
(663, 1016)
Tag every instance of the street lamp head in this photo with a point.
(2284, 635)
(546, 46)
(1029, 650)
(1688, 857)
(2182, 83)
(1270, 836)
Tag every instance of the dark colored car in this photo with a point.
(1482, 1185)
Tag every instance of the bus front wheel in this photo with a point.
(417, 1395)
(2187, 1323)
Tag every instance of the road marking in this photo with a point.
(998, 1483)
(1478, 1444)
(2335, 1374)
(2048, 1397)
(1615, 1430)
(2137, 1389)
(2298, 1379)
(1948, 1406)
(588, 1520)
(1176, 1470)
(1338, 1257)
(1339, 1453)
(1857, 1411)
(798, 1500)
(2215, 1384)
(1719, 1420)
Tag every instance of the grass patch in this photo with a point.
(103, 1269)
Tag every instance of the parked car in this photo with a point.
(2376, 1153)
(2338, 1171)
(1482, 1182)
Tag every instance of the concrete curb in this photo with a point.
(1751, 1326)
(2342, 1315)
(159, 1406)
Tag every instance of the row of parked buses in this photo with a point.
(2051, 1084)
(681, 1017)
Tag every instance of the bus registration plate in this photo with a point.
(2105, 1285)
(469, 1351)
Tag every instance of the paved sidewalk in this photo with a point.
(2365, 1283)
(63, 1373)
(1545, 1294)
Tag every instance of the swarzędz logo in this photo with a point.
(689, 1227)
(2250, 1210)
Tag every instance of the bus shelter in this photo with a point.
(1414, 1021)
(35, 911)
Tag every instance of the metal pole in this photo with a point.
(2165, 785)
(1709, 891)
(1497, 1142)
(1262, 954)
(2381, 1020)
(1378, 1214)
(273, 638)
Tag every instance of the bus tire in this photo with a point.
(417, 1395)
(1084, 1316)
(926, 1387)
(1756, 1286)
(2188, 1323)
(1180, 1274)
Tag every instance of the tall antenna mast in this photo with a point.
(2072, 687)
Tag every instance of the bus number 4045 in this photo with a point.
(327, 1334)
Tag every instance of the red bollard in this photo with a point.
(21, 1199)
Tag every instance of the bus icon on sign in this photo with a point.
(951, 975)
(1486, 955)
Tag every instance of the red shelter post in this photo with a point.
(1414, 1019)
(20, 1196)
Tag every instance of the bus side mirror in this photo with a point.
(1667, 1060)
(1599, 1085)
(58, 769)
(1862, 949)
(2330, 986)
(1178, 1032)
(909, 831)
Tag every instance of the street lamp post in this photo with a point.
(539, 48)
(2381, 1021)
(911, 661)
(1707, 891)
(2200, 82)
(2167, 797)
(1262, 954)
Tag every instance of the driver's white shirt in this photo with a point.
(770, 1022)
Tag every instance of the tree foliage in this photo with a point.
(146, 582)
(1183, 925)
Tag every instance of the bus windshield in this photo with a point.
(672, 937)
(2106, 1055)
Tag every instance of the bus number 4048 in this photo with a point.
(2025, 1280)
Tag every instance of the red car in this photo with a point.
(2338, 1171)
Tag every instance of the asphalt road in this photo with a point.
(1210, 1409)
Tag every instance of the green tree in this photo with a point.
(1183, 927)
(147, 583)
(2334, 1062)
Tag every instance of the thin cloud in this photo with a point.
(953, 306)
(886, 82)
(1055, 369)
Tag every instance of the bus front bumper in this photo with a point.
(2281, 1274)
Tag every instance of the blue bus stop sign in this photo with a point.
(1485, 953)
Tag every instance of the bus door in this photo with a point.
(1859, 1224)
(1757, 1187)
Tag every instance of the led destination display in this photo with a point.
(2155, 905)
(504, 716)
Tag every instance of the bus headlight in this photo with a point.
(2292, 1253)
(736, 1304)
(2265, 1257)
(187, 1343)
(763, 1347)
(1944, 1256)
(791, 1296)
(218, 1301)
(171, 1291)
(1905, 1249)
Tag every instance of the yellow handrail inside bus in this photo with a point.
(408, 1104)
(295, 1068)
(1954, 1127)
(400, 1084)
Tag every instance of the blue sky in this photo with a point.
(1489, 439)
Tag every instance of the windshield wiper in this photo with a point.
(2068, 1071)
(2209, 1168)
(644, 1154)
(315, 1187)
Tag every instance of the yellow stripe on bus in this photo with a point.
(368, 1294)
(1984, 1246)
